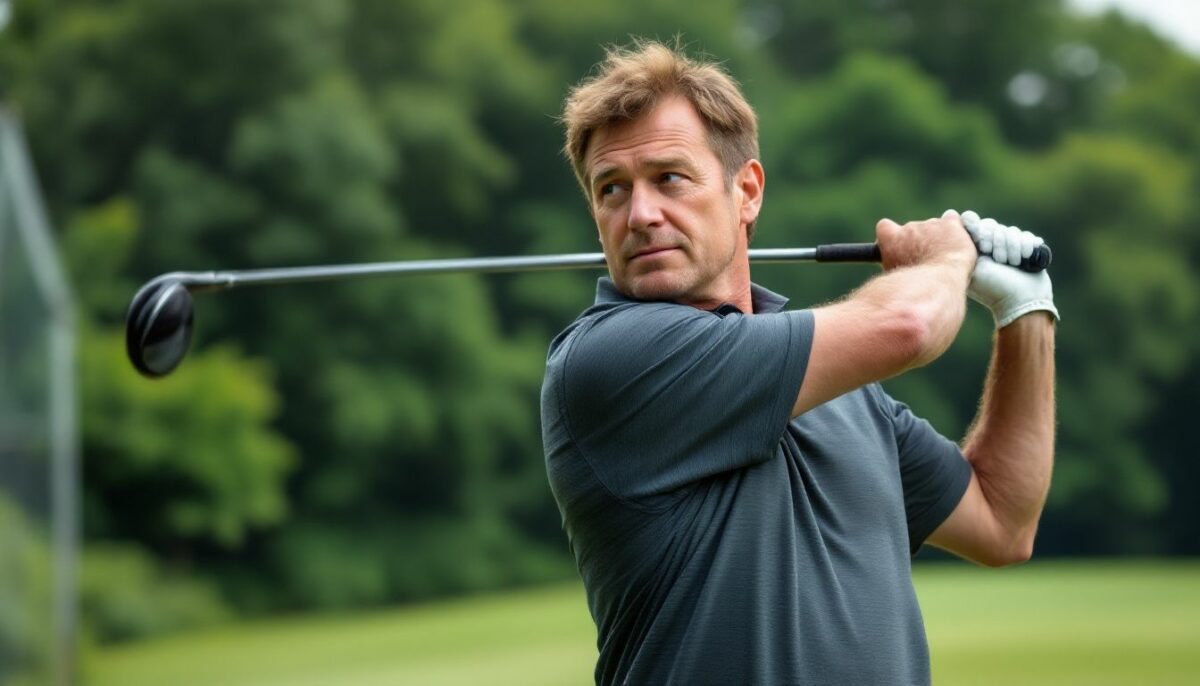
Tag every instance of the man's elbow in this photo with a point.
(918, 339)
(1011, 552)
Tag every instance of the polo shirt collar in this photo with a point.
(765, 301)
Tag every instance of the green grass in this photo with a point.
(1089, 622)
(1080, 623)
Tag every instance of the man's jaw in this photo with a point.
(662, 270)
(646, 280)
(673, 275)
(654, 263)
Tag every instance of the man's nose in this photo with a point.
(645, 208)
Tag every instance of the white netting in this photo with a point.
(38, 538)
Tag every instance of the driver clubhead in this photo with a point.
(158, 327)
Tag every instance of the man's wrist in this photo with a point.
(1033, 321)
(956, 267)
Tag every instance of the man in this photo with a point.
(741, 496)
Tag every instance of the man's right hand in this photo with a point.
(944, 239)
(900, 319)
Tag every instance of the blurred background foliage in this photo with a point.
(342, 445)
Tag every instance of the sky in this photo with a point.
(1175, 19)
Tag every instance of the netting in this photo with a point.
(37, 436)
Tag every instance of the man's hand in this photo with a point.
(996, 282)
(930, 241)
(903, 318)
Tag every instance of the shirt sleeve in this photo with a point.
(658, 395)
(933, 472)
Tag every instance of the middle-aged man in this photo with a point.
(741, 496)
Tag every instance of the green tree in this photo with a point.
(358, 443)
(278, 148)
(26, 637)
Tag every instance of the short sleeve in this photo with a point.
(658, 395)
(933, 472)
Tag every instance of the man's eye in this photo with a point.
(609, 190)
(670, 177)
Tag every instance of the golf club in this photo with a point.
(158, 326)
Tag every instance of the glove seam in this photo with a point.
(1032, 306)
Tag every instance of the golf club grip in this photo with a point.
(849, 252)
(869, 252)
(1040, 259)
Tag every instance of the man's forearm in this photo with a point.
(901, 319)
(1011, 444)
(933, 294)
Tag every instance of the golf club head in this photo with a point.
(158, 327)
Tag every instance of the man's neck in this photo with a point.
(732, 287)
(739, 297)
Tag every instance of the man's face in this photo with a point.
(672, 229)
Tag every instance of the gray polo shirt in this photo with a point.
(720, 541)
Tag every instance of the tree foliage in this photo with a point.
(356, 443)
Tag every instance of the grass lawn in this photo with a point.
(1090, 622)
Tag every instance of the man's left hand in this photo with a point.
(996, 281)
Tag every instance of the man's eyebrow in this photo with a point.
(604, 173)
(672, 162)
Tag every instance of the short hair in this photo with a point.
(632, 80)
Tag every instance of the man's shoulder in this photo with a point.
(613, 323)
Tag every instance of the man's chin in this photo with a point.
(657, 285)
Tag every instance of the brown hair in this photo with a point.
(632, 81)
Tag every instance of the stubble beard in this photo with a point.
(691, 283)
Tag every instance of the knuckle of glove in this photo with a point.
(970, 222)
(986, 230)
(1000, 242)
(1029, 242)
(1012, 236)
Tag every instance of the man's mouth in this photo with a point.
(651, 252)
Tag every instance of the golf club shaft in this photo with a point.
(223, 280)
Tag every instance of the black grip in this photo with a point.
(849, 252)
(1040, 259)
(869, 252)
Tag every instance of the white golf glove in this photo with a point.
(996, 282)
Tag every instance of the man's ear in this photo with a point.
(749, 183)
